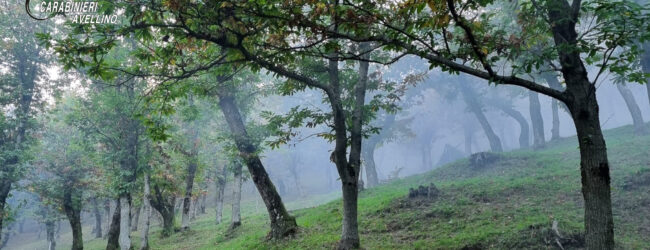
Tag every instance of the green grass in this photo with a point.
(509, 204)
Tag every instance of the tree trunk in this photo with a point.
(471, 99)
(202, 207)
(645, 65)
(555, 130)
(125, 227)
(427, 162)
(524, 135)
(633, 107)
(108, 216)
(235, 220)
(98, 218)
(368, 154)
(580, 97)
(135, 220)
(72, 209)
(5, 187)
(552, 81)
(282, 224)
(146, 207)
(193, 205)
(468, 139)
(350, 232)
(539, 140)
(49, 231)
(293, 169)
(189, 183)
(114, 230)
(220, 190)
(166, 207)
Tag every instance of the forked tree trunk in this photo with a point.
(146, 207)
(580, 97)
(125, 223)
(282, 224)
(220, 190)
(471, 99)
(166, 207)
(633, 107)
(539, 140)
(98, 218)
(72, 209)
(235, 220)
(114, 229)
(524, 134)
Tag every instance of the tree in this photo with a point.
(109, 116)
(633, 107)
(24, 60)
(66, 161)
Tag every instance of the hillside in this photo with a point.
(510, 203)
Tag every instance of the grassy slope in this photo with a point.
(508, 204)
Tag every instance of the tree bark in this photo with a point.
(471, 99)
(146, 207)
(72, 209)
(633, 107)
(125, 225)
(114, 230)
(235, 220)
(221, 187)
(282, 224)
(539, 140)
(580, 97)
(98, 218)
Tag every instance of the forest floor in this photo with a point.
(510, 203)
